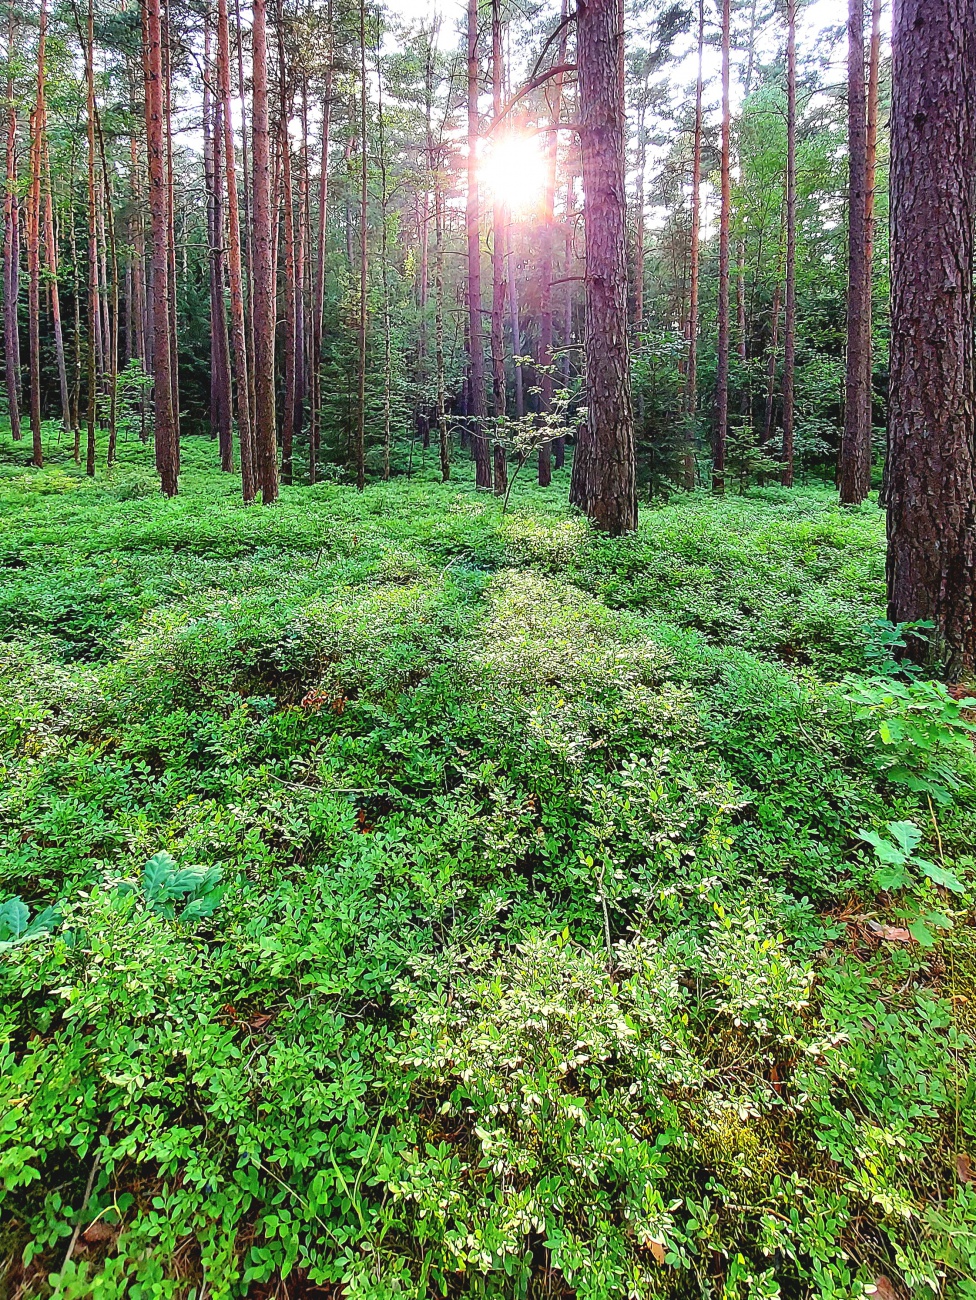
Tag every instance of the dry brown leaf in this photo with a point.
(99, 1231)
(890, 933)
(883, 1289)
(657, 1250)
(964, 1168)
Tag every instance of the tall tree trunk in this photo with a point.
(11, 260)
(476, 349)
(166, 438)
(499, 217)
(874, 68)
(288, 225)
(235, 274)
(318, 290)
(220, 381)
(931, 481)
(443, 444)
(604, 482)
(691, 387)
(51, 258)
(174, 347)
(514, 324)
(722, 374)
(360, 447)
(384, 253)
(789, 340)
(639, 204)
(546, 251)
(265, 435)
(855, 462)
(34, 246)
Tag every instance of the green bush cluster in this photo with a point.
(409, 898)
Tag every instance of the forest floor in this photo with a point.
(416, 900)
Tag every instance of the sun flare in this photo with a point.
(512, 171)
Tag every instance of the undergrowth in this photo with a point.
(401, 899)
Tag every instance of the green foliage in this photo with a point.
(421, 899)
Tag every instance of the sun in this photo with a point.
(513, 171)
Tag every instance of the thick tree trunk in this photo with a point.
(789, 340)
(476, 348)
(604, 482)
(931, 474)
(855, 460)
(166, 451)
(725, 212)
(235, 275)
(265, 435)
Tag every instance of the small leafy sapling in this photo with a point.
(164, 884)
(900, 868)
(523, 437)
(16, 927)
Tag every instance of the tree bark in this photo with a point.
(722, 372)
(498, 286)
(691, 390)
(34, 246)
(547, 238)
(51, 258)
(855, 462)
(165, 432)
(789, 339)
(11, 260)
(265, 434)
(235, 275)
(604, 481)
(932, 463)
(476, 348)
(360, 447)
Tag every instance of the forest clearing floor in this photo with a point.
(403, 899)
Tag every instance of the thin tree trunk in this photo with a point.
(476, 351)
(443, 444)
(265, 436)
(604, 482)
(318, 291)
(514, 324)
(51, 249)
(722, 374)
(691, 388)
(11, 260)
(500, 464)
(288, 224)
(547, 236)
(34, 246)
(174, 359)
(855, 462)
(874, 62)
(789, 341)
(360, 448)
(166, 437)
(384, 269)
(235, 274)
(932, 414)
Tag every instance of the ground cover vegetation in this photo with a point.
(406, 897)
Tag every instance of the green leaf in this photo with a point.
(942, 876)
(906, 834)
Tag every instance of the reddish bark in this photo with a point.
(931, 477)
